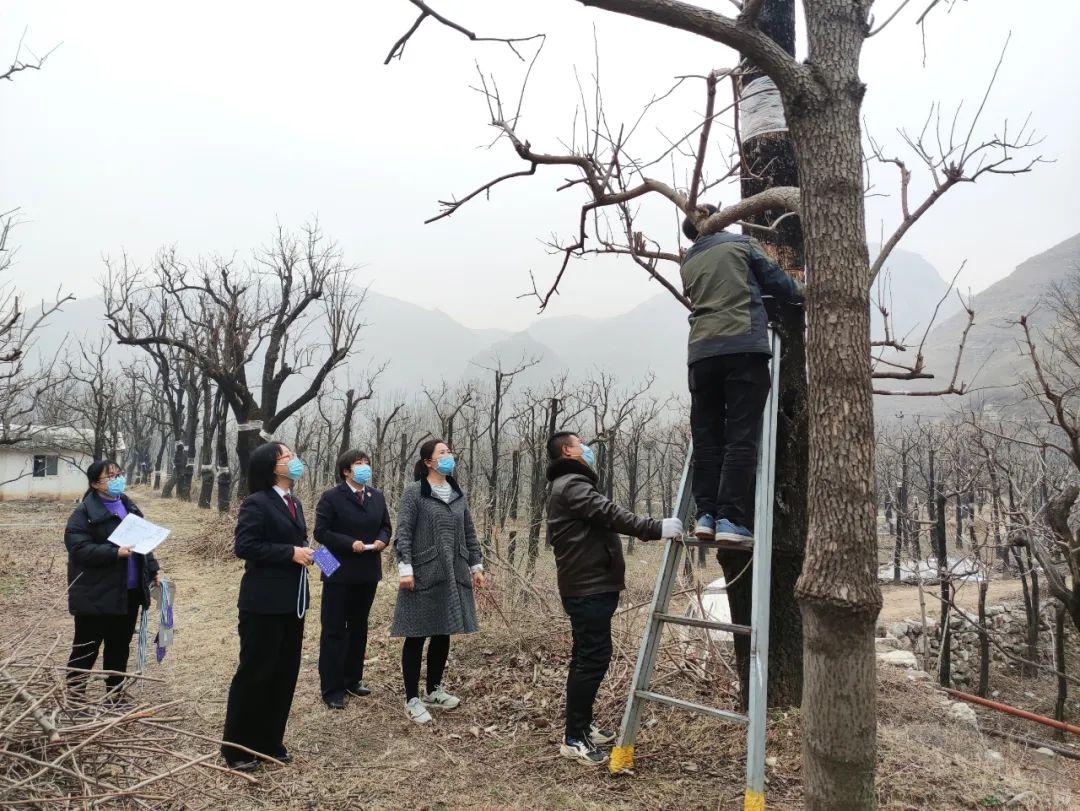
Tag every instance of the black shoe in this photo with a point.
(335, 703)
(243, 765)
(358, 690)
(284, 755)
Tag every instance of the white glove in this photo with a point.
(672, 528)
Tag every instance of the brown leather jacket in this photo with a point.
(584, 526)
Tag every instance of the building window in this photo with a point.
(45, 466)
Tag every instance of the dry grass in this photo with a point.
(499, 748)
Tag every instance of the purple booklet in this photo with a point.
(326, 561)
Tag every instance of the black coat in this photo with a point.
(97, 575)
(265, 536)
(583, 528)
(342, 518)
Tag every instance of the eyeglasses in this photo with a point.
(108, 477)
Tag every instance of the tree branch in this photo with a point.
(398, 50)
(741, 35)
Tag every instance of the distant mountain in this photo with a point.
(909, 288)
(992, 357)
(421, 346)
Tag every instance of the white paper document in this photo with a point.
(139, 533)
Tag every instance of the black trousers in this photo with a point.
(590, 619)
(727, 397)
(111, 630)
(343, 640)
(261, 693)
(412, 653)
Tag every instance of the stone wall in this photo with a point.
(1007, 624)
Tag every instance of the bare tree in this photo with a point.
(223, 316)
(1054, 386)
(23, 388)
(822, 102)
(94, 396)
(502, 380)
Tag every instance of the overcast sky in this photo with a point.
(204, 123)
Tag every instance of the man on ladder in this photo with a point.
(724, 276)
(732, 383)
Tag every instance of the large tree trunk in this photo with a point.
(984, 641)
(515, 476)
(1059, 662)
(838, 589)
(206, 467)
(191, 430)
(903, 528)
(160, 458)
(945, 578)
(248, 438)
(224, 473)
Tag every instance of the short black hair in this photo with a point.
(96, 469)
(688, 227)
(349, 458)
(558, 441)
(261, 475)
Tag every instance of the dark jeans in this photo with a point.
(111, 630)
(261, 693)
(343, 641)
(412, 652)
(590, 619)
(727, 397)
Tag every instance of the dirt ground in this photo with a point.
(902, 602)
(499, 749)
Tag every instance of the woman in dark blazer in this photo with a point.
(271, 537)
(107, 584)
(353, 523)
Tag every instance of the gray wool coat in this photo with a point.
(439, 541)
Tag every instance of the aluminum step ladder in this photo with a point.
(622, 756)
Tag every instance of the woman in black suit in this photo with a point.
(107, 584)
(353, 523)
(272, 537)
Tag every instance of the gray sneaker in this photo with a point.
(582, 751)
(440, 699)
(417, 712)
(599, 736)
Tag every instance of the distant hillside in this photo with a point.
(909, 288)
(991, 356)
(421, 346)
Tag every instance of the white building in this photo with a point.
(49, 464)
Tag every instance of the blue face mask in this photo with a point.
(446, 465)
(361, 474)
(587, 455)
(296, 468)
(116, 487)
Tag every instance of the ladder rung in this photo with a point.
(735, 546)
(691, 706)
(712, 625)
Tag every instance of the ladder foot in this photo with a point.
(622, 759)
(753, 800)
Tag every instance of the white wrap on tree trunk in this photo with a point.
(760, 109)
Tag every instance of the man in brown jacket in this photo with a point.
(583, 528)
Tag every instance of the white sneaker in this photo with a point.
(416, 711)
(440, 699)
(599, 736)
(582, 751)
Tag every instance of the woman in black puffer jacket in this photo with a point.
(107, 584)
